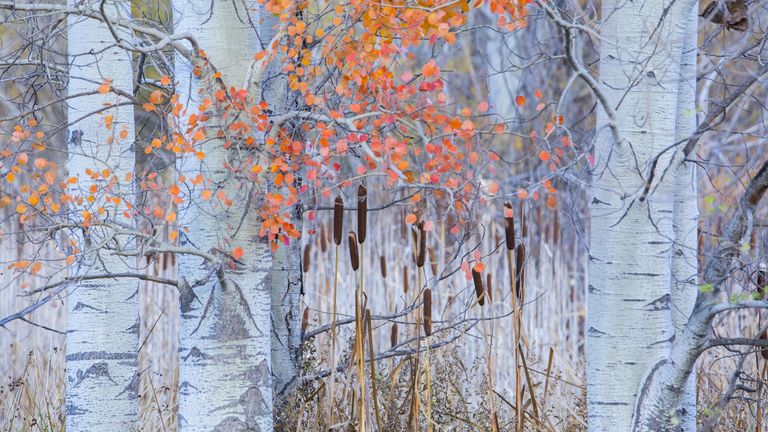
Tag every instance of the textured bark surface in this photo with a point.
(285, 279)
(286, 284)
(630, 322)
(685, 221)
(225, 379)
(102, 335)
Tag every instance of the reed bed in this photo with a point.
(417, 344)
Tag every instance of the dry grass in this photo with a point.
(467, 384)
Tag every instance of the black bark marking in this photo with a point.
(74, 410)
(95, 371)
(196, 355)
(186, 296)
(662, 303)
(80, 306)
(101, 355)
(186, 389)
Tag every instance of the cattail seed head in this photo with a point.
(477, 279)
(305, 320)
(338, 219)
(354, 258)
(422, 255)
(393, 335)
(489, 287)
(305, 262)
(520, 270)
(383, 266)
(405, 279)
(323, 239)
(362, 212)
(433, 260)
(428, 312)
(523, 223)
(509, 226)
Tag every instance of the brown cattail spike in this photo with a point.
(433, 260)
(489, 287)
(383, 266)
(428, 312)
(405, 280)
(323, 240)
(520, 271)
(422, 255)
(362, 212)
(509, 226)
(477, 278)
(354, 258)
(305, 262)
(338, 219)
(393, 335)
(305, 320)
(523, 223)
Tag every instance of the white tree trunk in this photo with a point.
(225, 378)
(629, 318)
(286, 284)
(685, 220)
(102, 336)
(285, 279)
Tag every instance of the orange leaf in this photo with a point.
(70, 259)
(520, 100)
(105, 87)
(238, 253)
(410, 219)
(544, 155)
(430, 70)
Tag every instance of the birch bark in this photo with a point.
(225, 372)
(102, 335)
(629, 322)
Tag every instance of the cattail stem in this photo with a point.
(428, 372)
(331, 395)
(489, 367)
(372, 365)
(353, 253)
